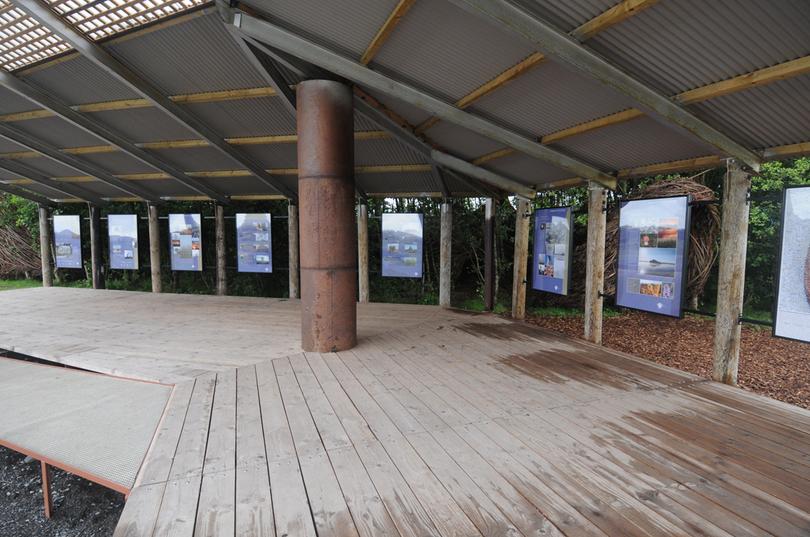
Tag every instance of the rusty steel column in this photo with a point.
(328, 233)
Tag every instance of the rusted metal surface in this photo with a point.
(46, 489)
(154, 248)
(45, 246)
(731, 276)
(328, 236)
(95, 248)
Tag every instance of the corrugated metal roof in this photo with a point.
(35, 188)
(379, 183)
(548, 98)
(196, 56)
(236, 186)
(635, 143)
(410, 113)
(249, 117)
(198, 159)
(78, 81)
(118, 163)
(57, 132)
(144, 125)
(772, 115)
(348, 25)
(567, 14)
(527, 170)
(273, 155)
(10, 102)
(106, 191)
(460, 141)
(442, 47)
(386, 151)
(678, 45)
(50, 168)
(9, 147)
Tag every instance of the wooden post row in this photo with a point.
(731, 278)
(45, 241)
(363, 291)
(489, 255)
(595, 263)
(446, 255)
(222, 278)
(96, 263)
(154, 247)
(522, 221)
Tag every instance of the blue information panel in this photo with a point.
(185, 234)
(67, 237)
(254, 241)
(553, 240)
(653, 242)
(123, 232)
(792, 315)
(402, 245)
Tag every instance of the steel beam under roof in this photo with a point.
(106, 61)
(31, 143)
(315, 54)
(52, 104)
(562, 47)
(30, 196)
(18, 168)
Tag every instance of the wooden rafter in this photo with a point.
(760, 77)
(219, 174)
(611, 17)
(187, 144)
(385, 30)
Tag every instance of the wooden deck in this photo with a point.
(438, 424)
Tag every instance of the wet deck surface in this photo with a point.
(446, 424)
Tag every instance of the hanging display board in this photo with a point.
(67, 237)
(185, 235)
(553, 244)
(792, 311)
(653, 242)
(253, 242)
(123, 232)
(402, 245)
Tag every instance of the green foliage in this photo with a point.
(6, 285)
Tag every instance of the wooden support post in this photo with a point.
(362, 253)
(522, 220)
(489, 255)
(446, 255)
(292, 220)
(46, 489)
(731, 277)
(96, 264)
(222, 278)
(154, 247)
(595, 263)
(45, 240)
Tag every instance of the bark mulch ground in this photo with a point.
(775, 367)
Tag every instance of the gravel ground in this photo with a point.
(81, 508)
(775, 367)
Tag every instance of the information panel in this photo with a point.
(123, 232)
(185, 234)
(67, 238)
(553, 243)
(653, 242)
(402, 245)
(253, 242)
(792, 316)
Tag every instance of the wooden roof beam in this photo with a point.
(385, 30)
(25, 194)
(611, 17)
(760, 77)
(49, 102)
(103, 59)
(565, 49)
(307, 51)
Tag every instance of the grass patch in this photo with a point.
(567, 313)
(6, 285)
